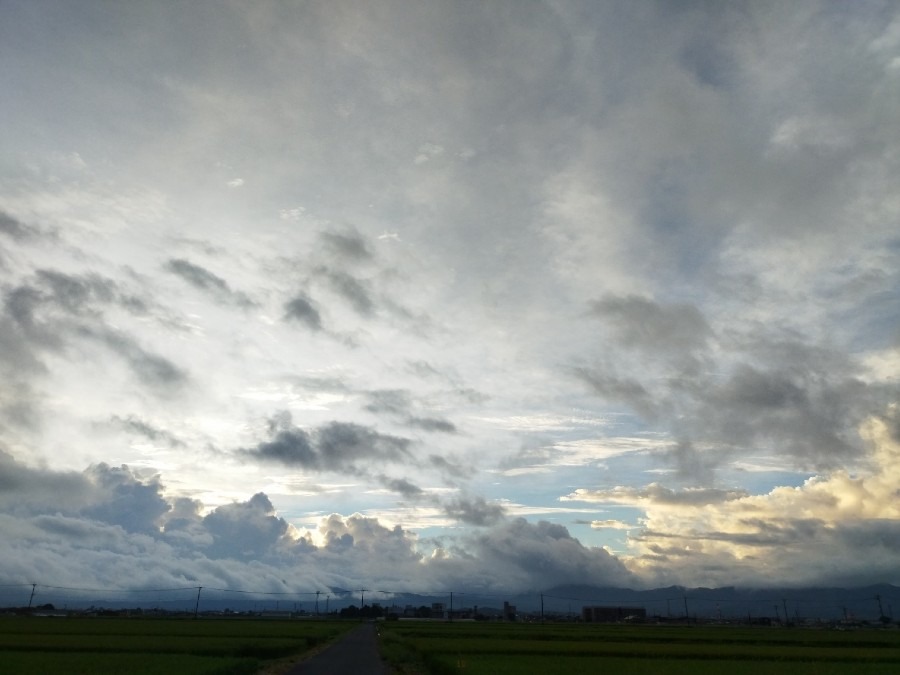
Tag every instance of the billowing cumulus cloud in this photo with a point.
(242, 545)
(835, 528)
(546, 553)
(247, 530)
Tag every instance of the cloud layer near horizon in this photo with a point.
(115, 530)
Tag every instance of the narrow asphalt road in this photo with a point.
(356, 653)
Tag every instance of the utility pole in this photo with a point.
(450, 615)
(777, 615)
(317, 602)
(33, 586)
(542, 608)
(784, 603)
(327, 598)
(687, 616)
(197, 605)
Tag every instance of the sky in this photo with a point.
(421, 296)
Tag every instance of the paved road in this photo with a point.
(354, 654)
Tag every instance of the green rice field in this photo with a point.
(155, 646)
(500, 649)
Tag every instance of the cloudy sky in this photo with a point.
(436, 295)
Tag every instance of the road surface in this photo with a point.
(354, 654)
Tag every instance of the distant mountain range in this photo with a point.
(867, 603)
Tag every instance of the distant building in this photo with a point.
(275, 614)
(612, 614)
(509, 611)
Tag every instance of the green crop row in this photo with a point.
(659, 634)
(87, 663)
(491, 648)
(151, 646)
(224, 627)
(171, 644)
(580, 665)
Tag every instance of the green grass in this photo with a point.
(497, 648)
(155, 646)
(581, 665)
(100, 663)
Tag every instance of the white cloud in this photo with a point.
(823, 531)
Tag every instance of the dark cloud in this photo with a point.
(367, 540)
(151, 369)
(544, 554)
(205, 280)
(402, 486)
(291, 447)
(14, 229)
(434, 424)
(623, 389)
(640, 323)
(185, 514)
(351, 289)
(335, 446)
(349, 245)
(26, 490)
(134, 504)
(112, 495)
(450, 468)
(245, 530)
(691, 463)
(77, 294)
(138, 426)
(48, 315)
(722, 395)
(21, 306)
(475, 511)
(60, 306)
(810, 413)
(399, 404)
(300, 308)
(340, 443)
(392, 401)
